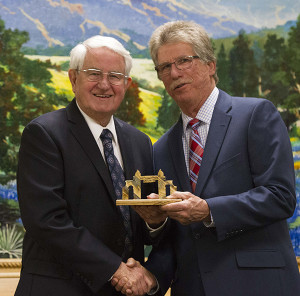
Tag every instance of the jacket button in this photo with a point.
(197, 235)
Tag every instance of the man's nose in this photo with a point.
(103, 82)
(174, 71)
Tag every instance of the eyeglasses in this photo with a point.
(181, 63)
(96, 75)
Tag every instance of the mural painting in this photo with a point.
(257, 45)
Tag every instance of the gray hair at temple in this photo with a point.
(187, 32)
(78, 53)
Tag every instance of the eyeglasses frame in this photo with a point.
(182, 57)
(100, 71)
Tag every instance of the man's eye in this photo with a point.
(165, 67)
(94, 73)
(115, 76)
(183, 60)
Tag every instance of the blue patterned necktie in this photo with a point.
(118, 179)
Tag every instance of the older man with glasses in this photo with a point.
(231, 160)
(72, 167)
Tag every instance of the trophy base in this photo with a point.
(145, 202)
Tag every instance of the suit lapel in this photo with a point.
(177, 154)
(126, 149)
(85, 138)
(217, 131)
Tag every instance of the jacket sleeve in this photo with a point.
(272, 196)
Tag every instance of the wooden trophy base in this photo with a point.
(145, 202)
(134, 198)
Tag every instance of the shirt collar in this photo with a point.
(205, 112)
(96, 128)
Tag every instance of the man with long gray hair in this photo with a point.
(231, 160)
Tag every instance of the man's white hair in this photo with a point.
(77, 54)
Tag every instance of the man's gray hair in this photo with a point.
(78, 53)
(186, 32)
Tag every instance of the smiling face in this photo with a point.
(191, 87)
(99, 100)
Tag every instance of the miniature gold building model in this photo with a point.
(136, 185)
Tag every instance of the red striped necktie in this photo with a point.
(196, 152)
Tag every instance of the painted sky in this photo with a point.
(259, 13)
(62, 22)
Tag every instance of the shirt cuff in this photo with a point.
(211, 223)
(155, 289)
(155, 232)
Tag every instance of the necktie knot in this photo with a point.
(106, 138)
(194, 123)
(106, 134)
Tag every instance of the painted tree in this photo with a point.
(274, 84)
(168, 112)
(293, 62)
(223, 68)
(243, 69)
(24, 95)
(129, 109)
(281, 74)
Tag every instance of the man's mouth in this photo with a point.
(103, 96)
(179, 86)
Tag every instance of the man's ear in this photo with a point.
(212, 67)
(72, 77)
(128, 82)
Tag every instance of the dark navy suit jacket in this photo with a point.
(247, 178)
(74, 231)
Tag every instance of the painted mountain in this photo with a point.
(67, 22)
(51, 22)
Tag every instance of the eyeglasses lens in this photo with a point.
(97, 75)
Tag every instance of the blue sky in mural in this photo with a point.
(269, 13)
(63, 22)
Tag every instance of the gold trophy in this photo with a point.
(132, 191)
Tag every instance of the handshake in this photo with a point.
(133, 279)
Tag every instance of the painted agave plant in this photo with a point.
(10, 242)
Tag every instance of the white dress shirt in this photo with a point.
(97, 129)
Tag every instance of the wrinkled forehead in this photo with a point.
(104, 57)
(171, 51)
